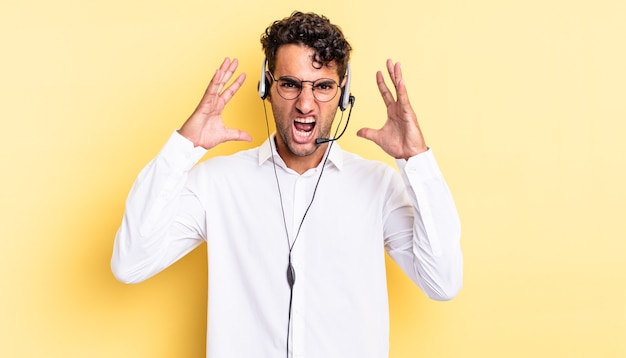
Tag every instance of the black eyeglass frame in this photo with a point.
(299, 84)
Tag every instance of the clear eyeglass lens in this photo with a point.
(324, 89)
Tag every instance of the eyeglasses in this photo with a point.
(289, 87)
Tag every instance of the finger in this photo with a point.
(403, 96)
(391, 70)
(233, 88)
(228, 72)
(233, 65)
(384, 90)
(214, 85)
(401, 91)
(397, 73)
(220, 78)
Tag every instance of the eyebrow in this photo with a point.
(299, 79)
(290, 77)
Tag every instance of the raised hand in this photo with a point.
(205, 126)
(400, 136)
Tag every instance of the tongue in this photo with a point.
(305, 127)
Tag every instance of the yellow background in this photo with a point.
(523, 103)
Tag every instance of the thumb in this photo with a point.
(367, 133)
(236, 135)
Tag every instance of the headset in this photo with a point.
(346, 97)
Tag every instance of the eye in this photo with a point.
(325, 85)
(290, 84)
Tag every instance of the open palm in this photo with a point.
(400, 136)
(205, 126)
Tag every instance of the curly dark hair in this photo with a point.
(311, 30)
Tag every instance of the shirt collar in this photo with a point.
(335, 157)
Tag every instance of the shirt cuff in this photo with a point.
(422, 166)
(180, 153)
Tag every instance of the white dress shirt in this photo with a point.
(361, 208)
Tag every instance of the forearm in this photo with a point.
(429, 252)
(155, 230)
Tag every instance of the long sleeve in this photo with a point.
(424, 238)
(162, 221)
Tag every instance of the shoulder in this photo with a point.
(226, 167)
(355, 163)
(369, 173)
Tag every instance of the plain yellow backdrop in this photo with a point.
(523, 103)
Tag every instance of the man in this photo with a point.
(297, 228)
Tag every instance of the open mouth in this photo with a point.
(304, 127)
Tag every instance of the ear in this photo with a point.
(268, 86)
(343, 81)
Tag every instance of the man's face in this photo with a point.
(302, 120)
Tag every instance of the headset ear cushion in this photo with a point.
(342, 99)
(264, 82)
(268, 85)
(264, 87)
(345, 91)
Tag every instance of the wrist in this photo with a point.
(414, 151)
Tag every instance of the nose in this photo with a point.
(306, 101)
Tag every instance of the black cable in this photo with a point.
(291, 274)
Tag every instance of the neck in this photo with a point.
(301, 163)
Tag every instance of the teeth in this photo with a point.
(305, 120)
(310, 121)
